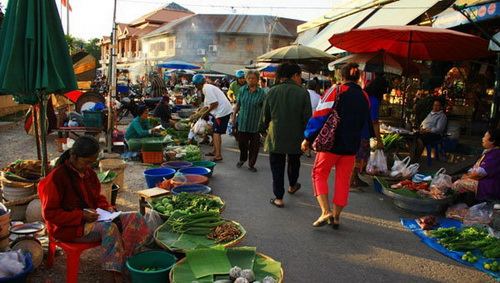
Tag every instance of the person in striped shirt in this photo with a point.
(246, 116)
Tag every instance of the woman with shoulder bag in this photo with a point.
(335, 129)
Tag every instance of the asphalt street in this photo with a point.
(370, 246)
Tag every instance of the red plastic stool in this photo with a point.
(73, 252)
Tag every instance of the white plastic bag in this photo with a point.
(479, 214)
(441, 180)
(200, 126)
(11, 263)
(399, 166)
(377, 164)
(410, 170)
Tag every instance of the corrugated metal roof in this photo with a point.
(249, 24)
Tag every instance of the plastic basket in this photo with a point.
(152, 157)
(92, 119)
(157, 175)
(162, 260)
(196, 171)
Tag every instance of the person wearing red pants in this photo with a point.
(353, 110)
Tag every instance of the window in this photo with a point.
(249, 44)
(232, 43)
(171, 43)
(161, 46)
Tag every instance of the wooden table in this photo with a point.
(63, 132)
(149, 194)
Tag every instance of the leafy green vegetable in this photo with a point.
(186, 203)
(391, 141)
(106, 177)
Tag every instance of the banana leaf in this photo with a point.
(206, 262)
(106, 177)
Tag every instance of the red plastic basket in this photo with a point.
(152, 157)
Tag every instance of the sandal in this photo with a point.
(323, 222)
(253, 169)
(293, 191)
(273, 202)
(215, 159)
(209, 154)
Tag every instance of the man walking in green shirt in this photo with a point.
(286, 111)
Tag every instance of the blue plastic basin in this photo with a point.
(192, 188)
(196, 171)
(157, 175)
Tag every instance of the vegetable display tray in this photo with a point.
(419, 205)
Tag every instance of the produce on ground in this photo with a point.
(224, 233)
(468, 239)
(186, 153)
(186, 203)
(428, 222)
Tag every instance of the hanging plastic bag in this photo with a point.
(410, 170)
(442, 181)
(399, 166)
(200, 127)
(377, 164)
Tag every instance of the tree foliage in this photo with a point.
(92, 48)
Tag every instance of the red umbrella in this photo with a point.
(73, 95)
(413, 42)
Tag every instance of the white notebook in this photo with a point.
(105, 215)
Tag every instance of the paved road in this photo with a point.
(371, 245)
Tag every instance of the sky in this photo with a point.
(94, 18)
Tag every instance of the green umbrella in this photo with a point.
(34, 56)
(297, 54)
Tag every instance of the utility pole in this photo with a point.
(272, 26)
(112, 88)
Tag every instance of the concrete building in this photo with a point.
(219, 43)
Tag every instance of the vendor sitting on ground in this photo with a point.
(431, 129)
(163, 112)
(70, 195)
(482, 182)
(139, 128)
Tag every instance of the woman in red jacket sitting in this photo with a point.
(70, 195)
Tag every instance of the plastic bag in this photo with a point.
(457, 211)
(399, 166)
(200, 127)
(410, 170)
(479, 214)
(377, 164)
(11, 263)
(441, 180)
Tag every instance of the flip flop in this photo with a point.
(215, 159)
(209, 154)
(273, 202)
(297, 187)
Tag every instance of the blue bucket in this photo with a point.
(377, 186)
(21, 277)
(157, 175)
(162, 260)
(176, 164)
(196, 171)
(192, 189)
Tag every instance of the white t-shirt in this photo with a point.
(214, 94)
(315, 97)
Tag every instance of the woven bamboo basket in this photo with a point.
(227, 245)
(171, 274)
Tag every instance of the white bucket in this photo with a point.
(115, 165)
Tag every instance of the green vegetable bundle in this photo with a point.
(186, 203)
(468, 239)
(390, 141)
(200, 223)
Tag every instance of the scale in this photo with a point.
(27, 242)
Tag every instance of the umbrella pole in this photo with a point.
(43, 130)
(37, 133)
(407, 67)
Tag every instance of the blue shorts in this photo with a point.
(220, 124)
